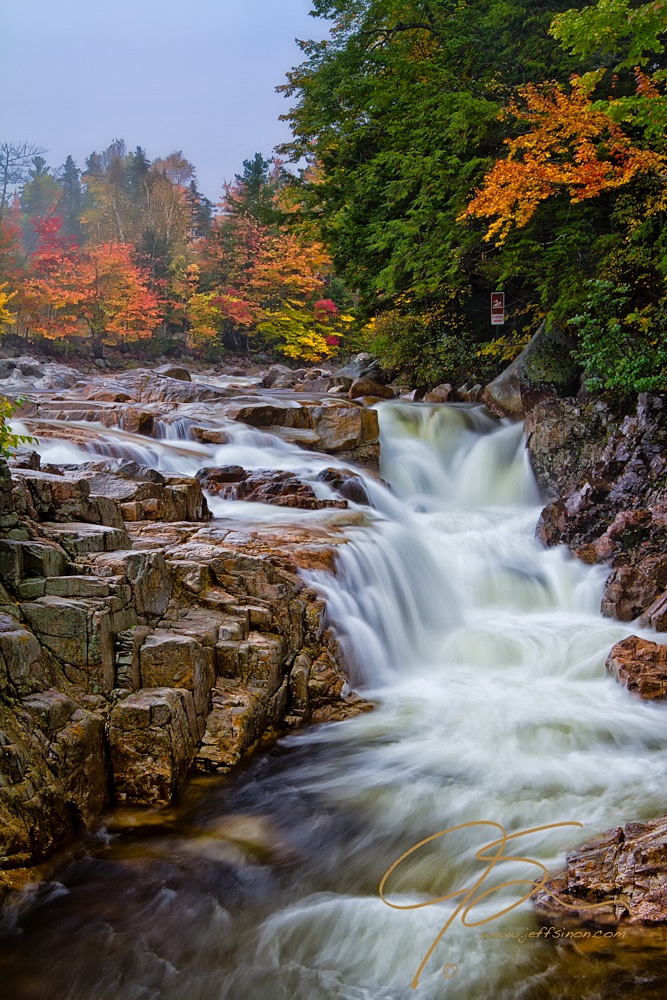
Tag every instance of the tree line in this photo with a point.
(454, 148)
(129, 250)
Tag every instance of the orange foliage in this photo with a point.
(114, 297)
(572, 146)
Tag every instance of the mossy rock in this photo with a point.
(546, 366)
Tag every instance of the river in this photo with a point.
(484, 655)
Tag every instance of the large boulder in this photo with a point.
(545, 367)
(362, 387)
(364, 365)
(641, 666)
(618, 878)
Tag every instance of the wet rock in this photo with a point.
(238, 719)
(628, 592)
(616, 879)
(279, 377)
(24, 458)
(348, 484)
(329, 695)
(615, 510)
(174, 371)
(282, 489)
(21, 669)
(179, 498)
(364, 366)
(440, 394)
(152, 742)
(545, 367)
(655, 616)
(344, 427)
(367, 387)
(136, 420)
(470, 394)
(641, 666)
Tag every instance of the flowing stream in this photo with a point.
(484, 655)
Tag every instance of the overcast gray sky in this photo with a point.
(195, 75)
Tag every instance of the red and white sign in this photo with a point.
(497, 308)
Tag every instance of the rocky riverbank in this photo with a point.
(140, 639)
(604, 472)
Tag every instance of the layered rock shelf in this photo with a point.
(140, 639)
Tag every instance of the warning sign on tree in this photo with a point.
(497, 308)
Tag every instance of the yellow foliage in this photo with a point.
(6, 316)
(572, 146)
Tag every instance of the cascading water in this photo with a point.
(485, 656)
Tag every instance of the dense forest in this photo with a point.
(453, 149)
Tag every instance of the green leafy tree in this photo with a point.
(598, 149)
(399, 109)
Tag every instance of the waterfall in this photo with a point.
(484, 655)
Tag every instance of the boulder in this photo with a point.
(279, 377)
(361, 387)
(440, 394)
(283, 489)
(347, 484)
(364, 365)
(470, 394)
(655, 616)
(641, 666)
(545, 367)
(174, 371)
(616, 879)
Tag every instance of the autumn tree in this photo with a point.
(114, 295)
(398, 109)
(601, 141)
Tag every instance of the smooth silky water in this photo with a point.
(484, 655)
